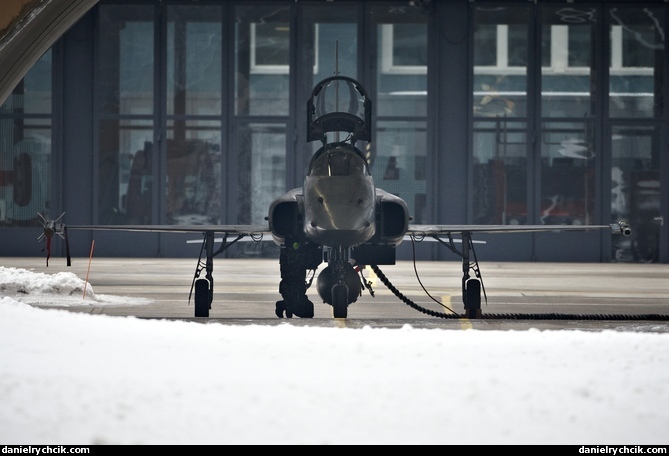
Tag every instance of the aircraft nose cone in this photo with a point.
(339, 211)
(339, 224)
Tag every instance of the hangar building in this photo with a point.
(485, 112)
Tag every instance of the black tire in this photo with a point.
(473, 289)
(473, 298)
(202, 298)
(339, 301)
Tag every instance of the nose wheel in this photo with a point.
(340, 301)
(339, 284)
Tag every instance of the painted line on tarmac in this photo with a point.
(465, 323)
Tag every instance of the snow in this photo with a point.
(80, 379)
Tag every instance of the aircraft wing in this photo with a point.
(415, 230)
(444, 230)
(240, 230)
(254, 232)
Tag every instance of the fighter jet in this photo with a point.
(338, 217)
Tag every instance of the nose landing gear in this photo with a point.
(339, 284)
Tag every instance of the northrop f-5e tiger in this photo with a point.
(338, 216)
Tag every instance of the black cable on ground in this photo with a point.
(535, 316)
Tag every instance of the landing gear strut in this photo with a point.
(471, 286)
(339, 284)
(204, 287)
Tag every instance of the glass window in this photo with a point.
(262, 77)
(194, 60)
(193, 172)
(499, 147)
(25, 148)
(398, 162)
(637, 58)
(330, 44)
(126, 160)
(126, 62)
(262, 80)
(127, 185)
(194, 90)
(567, 75)
(261, 157)
(33, 95)
(567, 175)
(270, 47)
(580, 47)
(189, 156)
(500, 56)
(516, 40)
(334, 48)
(402, 69)
(25, 176)
(485, 43)
(404, 48)
(397, 155)
(635, 191)
(500, 173)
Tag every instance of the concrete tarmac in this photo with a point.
(518, 295)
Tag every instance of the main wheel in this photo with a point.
(202, 298)
(473, 298)
(339, 301)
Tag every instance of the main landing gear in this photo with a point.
(471, 286)
(204, 286)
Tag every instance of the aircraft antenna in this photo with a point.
(336, 72)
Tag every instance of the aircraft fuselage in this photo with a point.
(339, 201)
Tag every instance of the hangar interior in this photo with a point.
(194, 112)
